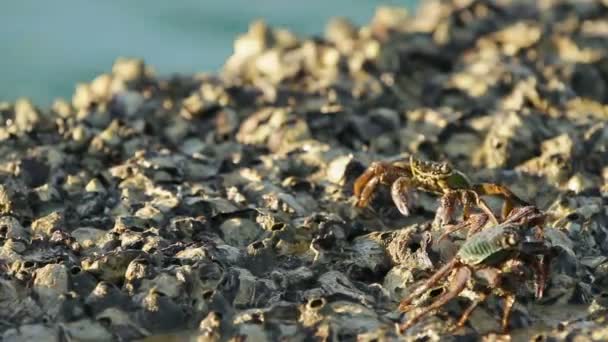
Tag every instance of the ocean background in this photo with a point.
(49, 46)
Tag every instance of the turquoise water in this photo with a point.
(49, 46)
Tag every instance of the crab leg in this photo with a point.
(528, 215)
(458, 283)
(510, 198)
(403, 306)
(479, 221)
(469, 310)
(467, 196)
(545, 266)
(376, 173)
(363, 180)
(474, 224)
(484, 206)
(541, 271)
(506, 313)
(367, 191)
(446, 207)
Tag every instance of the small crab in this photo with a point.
(438, 178)
(485, 263)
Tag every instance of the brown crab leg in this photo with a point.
(362, 181)
(541, 271)
(545, 266)
(527, 215)
(446, 207)
(474, 224)
(492, 276)
(469, 310)
(367, 192)
(541, 280)
(468, 198)
(403, 306)
(458, 283)
(510, 198)
(479, 222)
(506, 312)
(480, 203)
(376, 173)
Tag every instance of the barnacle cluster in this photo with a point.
(218, 207)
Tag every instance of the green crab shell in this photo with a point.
(458, 180)
(487, 247)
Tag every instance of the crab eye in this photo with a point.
(510, 240)
(573, 216)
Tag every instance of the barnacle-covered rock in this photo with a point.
(120, 324)
(110, 267)
(512, 139)
(343, 318)
(10, 228)
(48, 224)
(240, 232)
(160, 313)
(368, 259)
(248, 290)
(13, 199)
(556, 159)
(106, 295)
(51, 282)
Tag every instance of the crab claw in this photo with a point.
(539, 290)
(541, 282)
(401, 195)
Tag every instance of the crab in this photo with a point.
(489, 261)
(438, 178)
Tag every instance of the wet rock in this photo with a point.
(251, 291)
(110, 267)
(368, 259)
(105, 296)
(50, 282)
(129, 69)
(48, 224)
(240, 232)
(32, 332)
(337, 315)
(121, 324)
(88, 237)
(33, 172)
(160, 313)
(13, 200)
(508, 141)
(10, 228)
(85, 330)
(555, 160)
(27, 117)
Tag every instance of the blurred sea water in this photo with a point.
(49, 46)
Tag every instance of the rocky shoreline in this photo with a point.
(220, 207)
